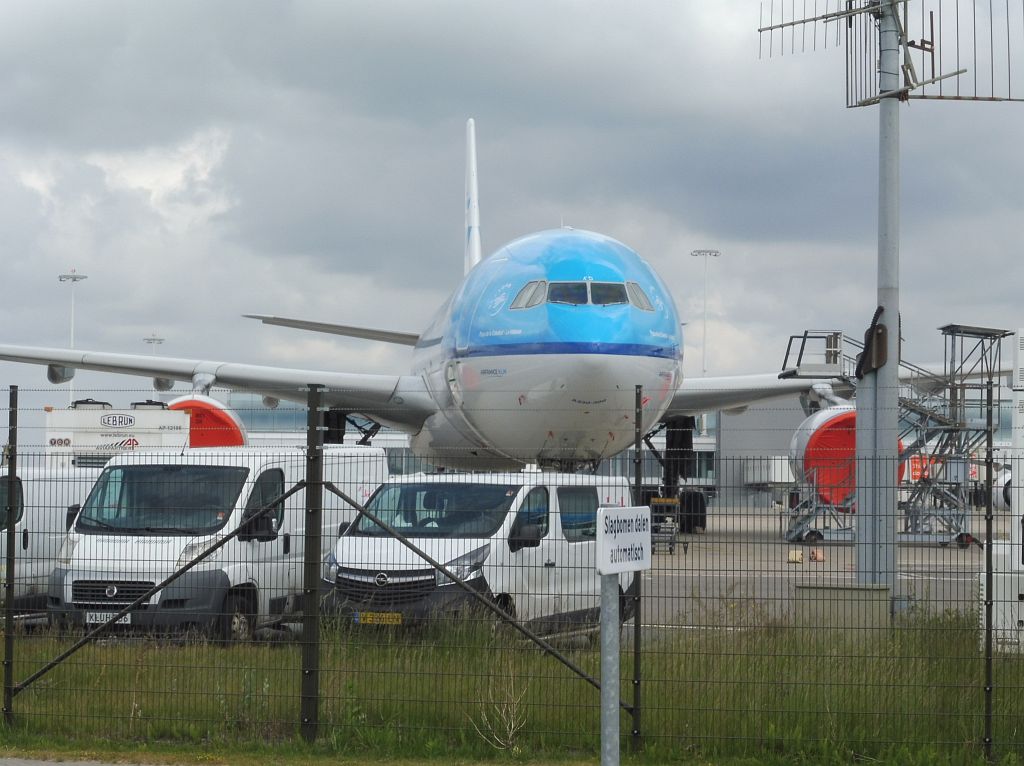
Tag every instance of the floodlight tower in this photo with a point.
(879, 51)
(706, 255)
(154, 343)
(74, 278)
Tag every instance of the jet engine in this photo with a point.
(823, 453)
(1002, 491)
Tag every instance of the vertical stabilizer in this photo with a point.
(472, 200)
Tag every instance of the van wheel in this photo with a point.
(508, 606)
(237, 619)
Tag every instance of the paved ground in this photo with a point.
(740, 571)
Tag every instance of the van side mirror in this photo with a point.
(71, 515)
(264, 529)
(527, 536)
(343, 528)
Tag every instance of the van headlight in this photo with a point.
(193, 550)
(67, 549)
(465, 567)
(329, 568)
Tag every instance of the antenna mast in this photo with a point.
(879, 52)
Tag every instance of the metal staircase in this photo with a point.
(944, 428)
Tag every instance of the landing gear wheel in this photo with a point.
(237, 622)
(964, 540)
(813, 536)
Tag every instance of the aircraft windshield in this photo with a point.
(582, 293)
(438, 509)
(162, 499)
(531, 295)
(574, 293)
(638, 297)
(607, 293)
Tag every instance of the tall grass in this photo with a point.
(778, 691)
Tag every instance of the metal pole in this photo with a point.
(704, 330)
(74, 278)
(638, 478)
(876, 523)
(9, 517)
(610, 670)
(310, 706)
(989, 680)
(705, 254)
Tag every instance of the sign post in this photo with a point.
(623, 545)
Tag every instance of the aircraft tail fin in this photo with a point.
(473, 254)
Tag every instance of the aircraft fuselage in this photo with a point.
(536, 356)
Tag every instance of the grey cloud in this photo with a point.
(344, 167)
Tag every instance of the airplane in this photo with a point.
(533, 359)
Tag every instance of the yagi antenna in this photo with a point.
(940, 41)
(897, 50)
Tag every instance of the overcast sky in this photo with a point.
(203, 160)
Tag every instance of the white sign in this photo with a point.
(623, 539)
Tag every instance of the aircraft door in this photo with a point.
(532, 572)
(483, 296)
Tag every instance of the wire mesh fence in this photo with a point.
(457, 610)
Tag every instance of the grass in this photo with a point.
(909, 694)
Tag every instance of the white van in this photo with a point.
(42, 495)
(525, 540)
(150, 514)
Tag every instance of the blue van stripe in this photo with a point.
(617, 349)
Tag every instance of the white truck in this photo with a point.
(151, 513)
(527, 541)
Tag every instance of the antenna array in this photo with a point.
(969, 50)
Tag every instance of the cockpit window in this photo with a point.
(573, 293)
(531, 295)
(581, 293)
(607, 293)
(638, 297)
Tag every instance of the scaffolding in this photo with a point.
(945, 426)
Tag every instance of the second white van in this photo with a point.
(527, 541)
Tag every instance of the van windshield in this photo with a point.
(162, 499)
(439, 509)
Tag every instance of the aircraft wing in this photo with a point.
(369, 333)
(400, 400)
(697, 395)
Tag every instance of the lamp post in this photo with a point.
(706, 255)
(73, 277)
(154, 342)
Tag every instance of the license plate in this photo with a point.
(98, 618)
(377, 618)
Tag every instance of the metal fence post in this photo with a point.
(638, 477)
(9, 516)
(989, 422)
(310, 708)
(610, 670)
